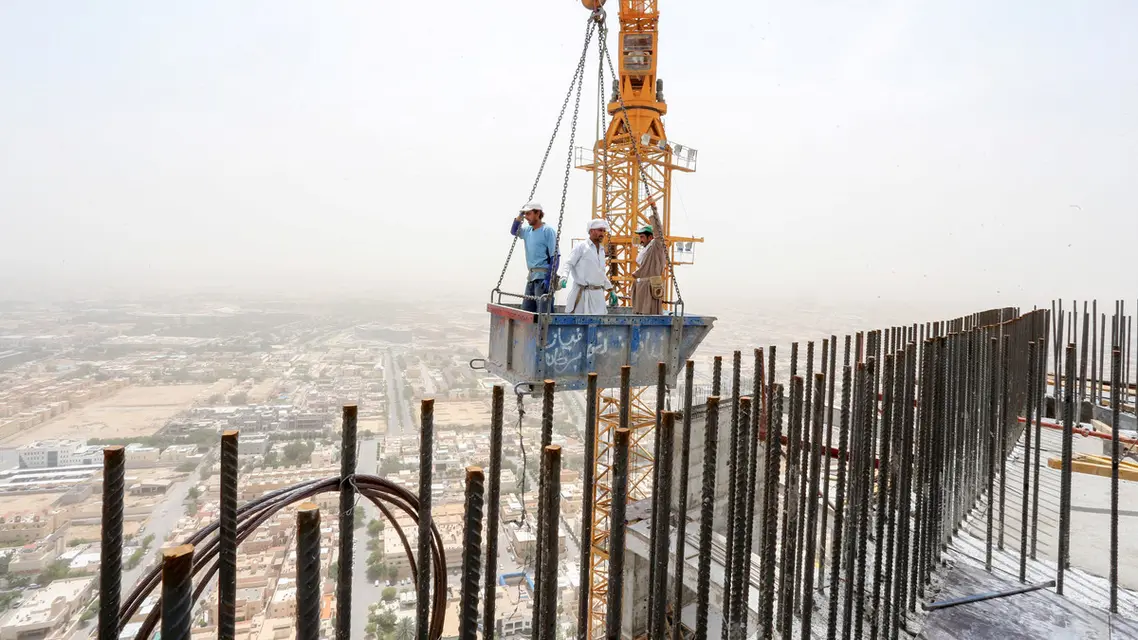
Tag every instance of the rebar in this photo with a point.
(837, 546)
(716, 375)
(547, 589)
(347, 523)
(682, 499)
(993, 430)
(707, 515)
(812, 505)
(227, 552)
(583, 605)
(882, 495)
(1065, 485)
(902, 599)
(471, 552)
(732, 490)
(307, 572)
(832, 373)
(659, 588)
(1040, 404)
(865, 477)
(790, 508)
(1024, 508)
(1115, 402)
(177, 586)
(655, 547)
(617, 524)
(426, 477)
(759, 424)
(770, 513)
(548, 390)
(110, 552)
(739, 564)
(494, 506)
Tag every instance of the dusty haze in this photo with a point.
(969, 152)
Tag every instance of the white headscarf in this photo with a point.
(598, 223)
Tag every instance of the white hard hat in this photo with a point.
(598, 223)
(532, 206)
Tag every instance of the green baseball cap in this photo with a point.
(647, 230)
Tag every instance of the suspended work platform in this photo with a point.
(575, 345)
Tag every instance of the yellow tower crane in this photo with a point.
(632, 169)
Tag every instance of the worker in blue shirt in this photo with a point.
(541, 255)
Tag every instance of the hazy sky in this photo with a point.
(977, 151)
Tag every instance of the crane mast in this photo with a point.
(631, 174)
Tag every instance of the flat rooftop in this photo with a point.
(37, 607)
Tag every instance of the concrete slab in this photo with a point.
(1122, 628)
(1039, 614)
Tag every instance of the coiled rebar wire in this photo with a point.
(380, 491)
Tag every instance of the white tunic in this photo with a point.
(586, 268)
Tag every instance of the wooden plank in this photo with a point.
(1126, 471)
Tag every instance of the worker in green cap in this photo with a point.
(648, 288)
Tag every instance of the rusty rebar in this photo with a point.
(617, 524)
(587, 506)
(732, 491)
(707, 515)
(832, 374)
(682, 500)
(882, 495)
(770, 513)
(837, 547)
(1024, 505)
(227, 538)
(494, 505)
(812, 505)
(655, 548)
(547, 589)
(1065, 482)
(790, 507)
(110, 552)
(736, 524)
(307, 572)
(1115, 402)
(471, 554)
(666, 437)
(347, 523)
(177, 591)
(548, 390)
(423, 559)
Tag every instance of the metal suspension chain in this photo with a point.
(639, 164)
(549, 146)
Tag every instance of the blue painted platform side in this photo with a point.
(575, 345)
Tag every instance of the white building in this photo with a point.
(45, 454)
(47, 609)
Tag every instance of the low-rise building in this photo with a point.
(47, 609)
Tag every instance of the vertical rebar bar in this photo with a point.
(494, 505)
(347, 523)
(854, 485)
(993, 431)
(803, 464)
(812, 505)
(790, 507)
(1005, 394)
(920, 471)
(1115, 402)
(110, 552)
(1065, 485)
(1040, 405)
(177, 591)
(547, 394)
(865, 496)
(832, 374)
(716, 375)
(227, 539)
(732, 491)
(759, 424)
(770, 512)
(682, 500)
(901, 364)
(902, 599)
(585, 590)
(837, 545)
(666, 437)
(426, 478)
(654, 577)
(617, 524)
(547, 589)
(739, 565)
(471, 554)
(307, 572)
(882, 494)
(1024, 508)
(1095, 381)
(707, 514)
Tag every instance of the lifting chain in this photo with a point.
(639, 165)
(576, 83)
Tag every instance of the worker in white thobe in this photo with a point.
(585, 266)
